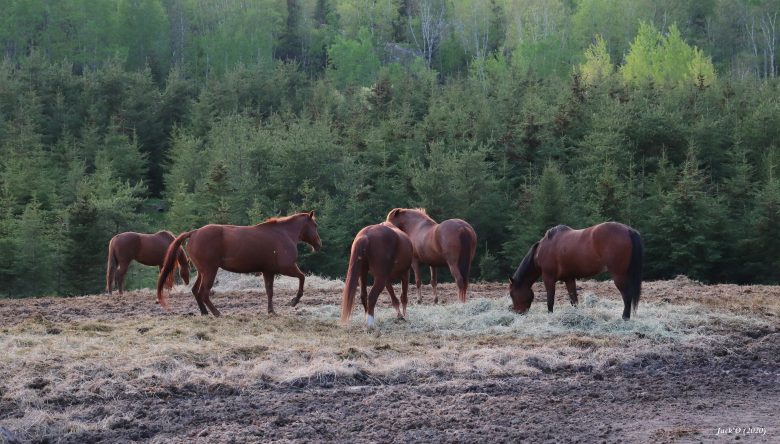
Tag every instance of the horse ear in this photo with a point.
(511, 281)
(311, 214)
(395, 212)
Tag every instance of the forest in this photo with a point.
(515, 115)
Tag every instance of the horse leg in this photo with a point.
(549, 285)
(206, 283)
(455, 271)
(396, 303)
(621, 282)
(363, 293)
(373, 295)
(571, 287)
(268, 277)
(404, 292)
(417, 279)
(294, 271)
(434, 282)
(121, 270)
(196, 293)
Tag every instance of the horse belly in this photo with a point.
(245, 263)
(573, 264)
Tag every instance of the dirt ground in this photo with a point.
(119, 369)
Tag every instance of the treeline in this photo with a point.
(342, 110)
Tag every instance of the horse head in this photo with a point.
(520, 283)
(406, 218)
(395, 217)
(522, 296)
(309, 234)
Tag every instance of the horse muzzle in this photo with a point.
(517, 310)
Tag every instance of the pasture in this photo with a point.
(98, 368)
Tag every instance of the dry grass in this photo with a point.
(49, 364)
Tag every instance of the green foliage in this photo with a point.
(666, 60)
(687, 224)
(352, 62)
(141, 115)
(598, 65)
(544, 204)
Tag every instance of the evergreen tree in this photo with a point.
(84, 259)
(686, 229)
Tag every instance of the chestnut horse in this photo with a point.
(386, 252)
(148, 249)
(564, 254)
(451, 243)
(270, 248)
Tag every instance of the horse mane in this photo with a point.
(525, 266)
(422, 212)
(281, 219)
(555, 230)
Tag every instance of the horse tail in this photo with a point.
(111, 265)
(635, 269)
(356, 259)
(464, 261)
(170, 280)
(183, 265)
(168, 265)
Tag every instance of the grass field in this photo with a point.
(100, 368)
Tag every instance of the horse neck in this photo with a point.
(531, 276)
(293, 227)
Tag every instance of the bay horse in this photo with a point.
(148, 249)
(386, 252)
(269, 248)
(564, 254)
(452, 243)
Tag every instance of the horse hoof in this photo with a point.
(294, 302)
(400, 318)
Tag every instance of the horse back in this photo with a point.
(584, 253)
(242, 249)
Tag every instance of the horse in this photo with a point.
(452, 243)
(386, 252)
(148, 249)
(564, 254)
(270, 248)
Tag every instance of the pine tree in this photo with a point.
(85, 255)
(684, 235)
(765, 232)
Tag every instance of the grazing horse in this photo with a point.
(386, 252)
(148, 249)
(451, 243)
(269, 248)
(564, 254)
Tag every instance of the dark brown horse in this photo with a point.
(386, 252)
(451, 243)
(564, 254)
(148, 249)
(270, 248)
